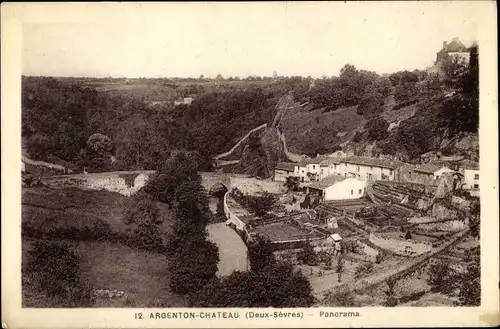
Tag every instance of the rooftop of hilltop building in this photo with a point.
(373, 162)
(455, 46)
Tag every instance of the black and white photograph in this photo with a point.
(219, 155)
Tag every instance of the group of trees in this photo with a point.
(260, 205)
(56, 271)
(465, 285)
(268, 283)
(144, 215)
(351, 87)
(192, 258)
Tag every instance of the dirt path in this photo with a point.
(232, 250)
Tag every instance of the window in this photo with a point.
(359, 191)
(314, 166)
(476, 176)
(302, 170)
(476, 185)
(357, 168)
(390, 172)
(371, 167)
(352, 192)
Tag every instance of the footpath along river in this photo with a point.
(232, 250)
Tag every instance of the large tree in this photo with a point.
(260, 254)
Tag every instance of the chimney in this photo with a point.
(445, 44)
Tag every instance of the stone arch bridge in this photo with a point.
(129, 182)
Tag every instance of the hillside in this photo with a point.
(414, 114)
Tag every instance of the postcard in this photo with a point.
(249, 164)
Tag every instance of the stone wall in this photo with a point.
(400, 247)
(231, 216)
(110, 181)
(447, 226)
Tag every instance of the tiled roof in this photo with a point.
(470, 165)
(288, 166)
(455, 46)
(317, 160)
(327, 182)
(428, 168)
(374, 162)
(330, 160)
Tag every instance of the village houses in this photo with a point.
(369, 169)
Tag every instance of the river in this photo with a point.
(232, 250)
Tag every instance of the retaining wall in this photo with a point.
(401, 247)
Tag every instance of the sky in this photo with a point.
(241, 39)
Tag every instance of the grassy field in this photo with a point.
(73, 207)
(110, 265)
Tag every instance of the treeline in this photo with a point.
(192, 258)
(350, 88)
(268, 283)
(59, 117)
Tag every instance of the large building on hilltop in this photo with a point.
(454, 49)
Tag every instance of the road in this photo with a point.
(232, 250)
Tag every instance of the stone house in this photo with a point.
(284, 170)
(369, 169)
(329, 166)
(455, 49)
(429, 174)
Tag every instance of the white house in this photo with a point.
(335, 187)
(329, 166)
(369, 169)
(470, 171)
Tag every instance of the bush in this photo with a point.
(142, 210)
(57, 271)
(147, 236)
